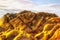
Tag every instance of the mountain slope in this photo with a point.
(27, 25)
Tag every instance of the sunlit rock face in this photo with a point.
(27, 25)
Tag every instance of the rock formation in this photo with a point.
(27, 25)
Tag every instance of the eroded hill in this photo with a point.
(27, 25)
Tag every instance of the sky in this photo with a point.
(11, 6)
(46, 1)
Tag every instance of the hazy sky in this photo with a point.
(33, 5)
(46, 1)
